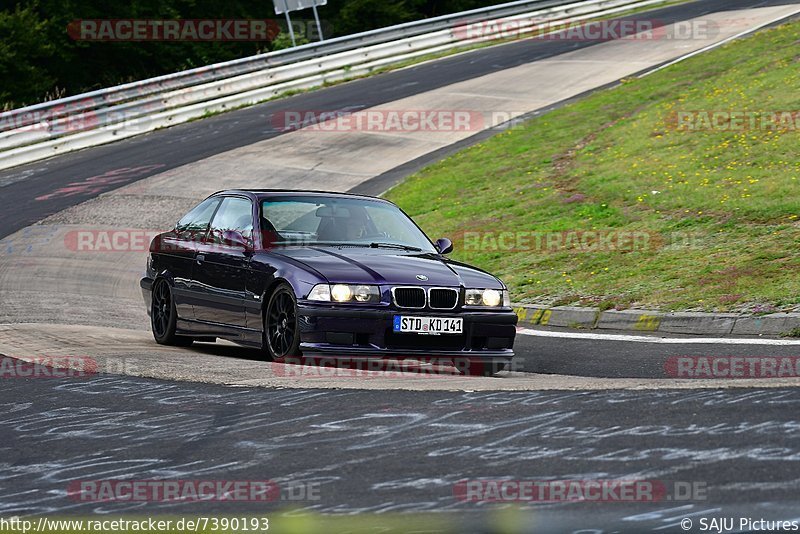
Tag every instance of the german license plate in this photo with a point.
(428, 325)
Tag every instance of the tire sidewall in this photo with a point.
(295, 348)
(168, 336)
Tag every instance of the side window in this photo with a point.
(198, 218)
(234, 214)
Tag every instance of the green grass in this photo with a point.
(722, 206)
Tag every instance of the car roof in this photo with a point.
(261, 194)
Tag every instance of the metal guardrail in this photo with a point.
(43, 130)
(74, 104)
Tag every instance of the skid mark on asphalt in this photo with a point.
(387, 451)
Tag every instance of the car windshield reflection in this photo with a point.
(340, 222)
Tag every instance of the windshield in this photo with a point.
(337, 221)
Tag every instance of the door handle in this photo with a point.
(200, 259)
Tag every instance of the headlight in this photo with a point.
(341, 293)
(365, 293)
(345, 293)
(491, 298)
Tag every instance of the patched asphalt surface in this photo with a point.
(392, 452)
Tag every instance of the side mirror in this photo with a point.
(234, 238)
(444, 245)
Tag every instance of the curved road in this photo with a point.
(606, 407)
(48, 303)
(401, 456)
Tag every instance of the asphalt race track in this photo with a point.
(595, 355)
(390, 452)
(576, 406)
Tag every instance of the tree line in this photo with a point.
(40, 59)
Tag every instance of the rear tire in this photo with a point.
(164, 316)
(281, 333)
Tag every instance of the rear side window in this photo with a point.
(199, 217)
(235, 213)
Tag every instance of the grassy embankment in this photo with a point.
(720, 206)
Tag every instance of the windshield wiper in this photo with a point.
(336, 244)
(395, 245)
(365, 245)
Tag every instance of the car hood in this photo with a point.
(357, 265)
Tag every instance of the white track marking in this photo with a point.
(663, 340)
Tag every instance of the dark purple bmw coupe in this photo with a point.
(312, 272)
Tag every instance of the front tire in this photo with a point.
(164, 316)
(281, 334)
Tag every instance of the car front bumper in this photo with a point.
(349, 331)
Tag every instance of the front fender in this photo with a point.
(266, 272)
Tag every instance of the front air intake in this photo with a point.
(442, 298)
(409, 297)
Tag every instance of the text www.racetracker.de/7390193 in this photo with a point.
(195, 524)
